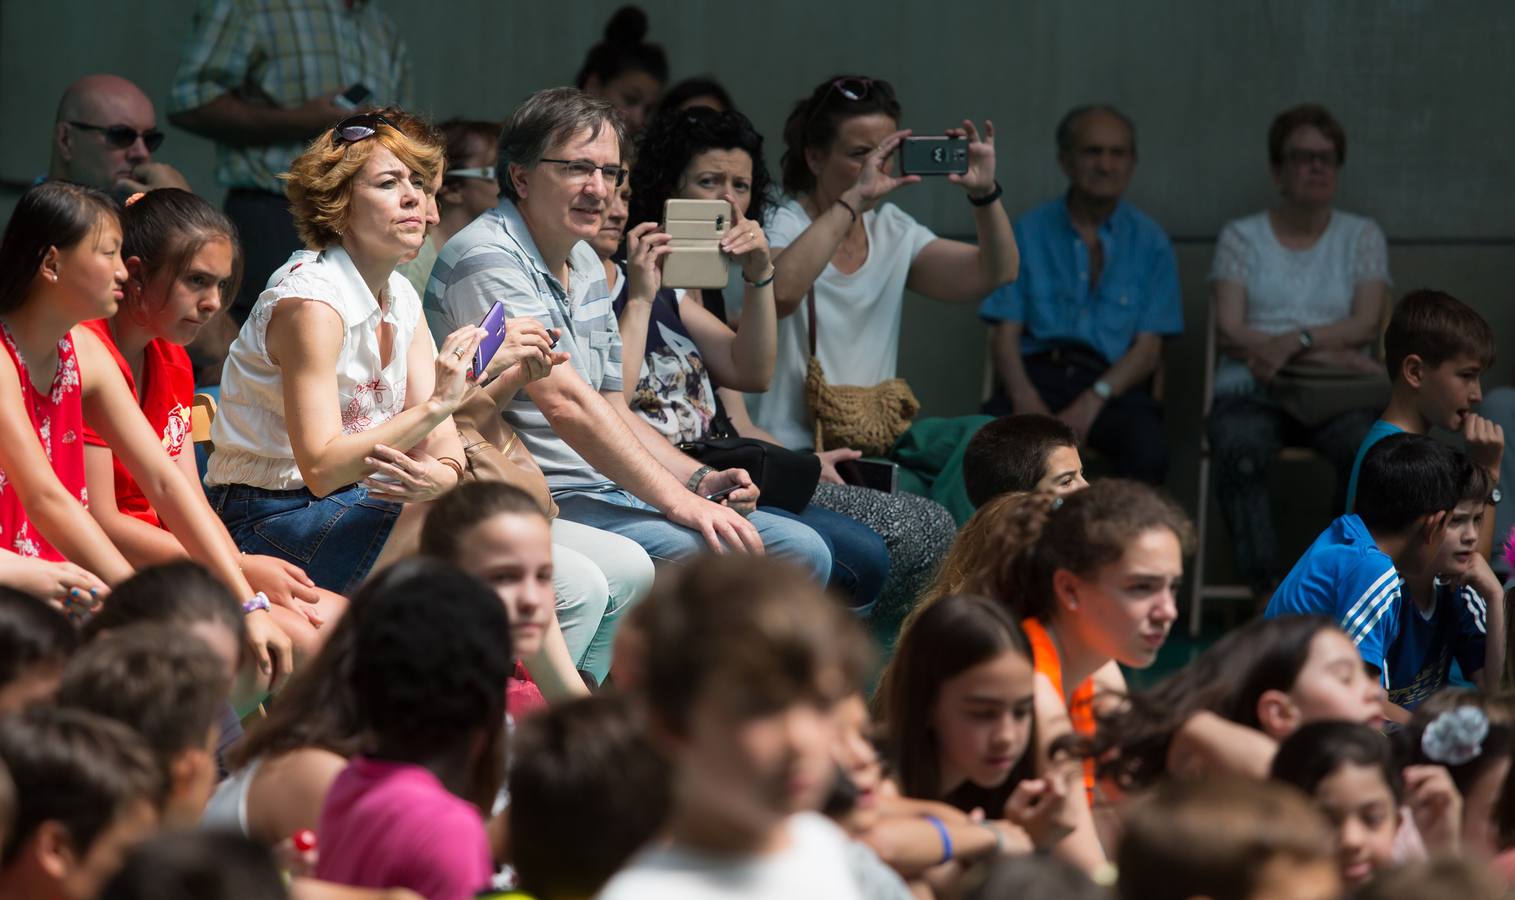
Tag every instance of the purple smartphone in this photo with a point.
(494, 323)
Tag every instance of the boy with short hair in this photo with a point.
(36, 641)
(1454, 610)
(1410, 485)
(1226, 837)
(745, 661)
(167, 685)
(1435, 348)
(1020, 453)
(89, 790)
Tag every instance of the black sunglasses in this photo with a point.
(121, 136)
(359, 128)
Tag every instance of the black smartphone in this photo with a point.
(933, 155)
(355, 96)
(722, 494)
(868, 473)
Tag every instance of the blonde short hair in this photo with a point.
(319, 181)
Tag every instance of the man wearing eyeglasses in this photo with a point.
(105, 136)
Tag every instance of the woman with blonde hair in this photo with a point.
(336, 406)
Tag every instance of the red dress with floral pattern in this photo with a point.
(57, 416)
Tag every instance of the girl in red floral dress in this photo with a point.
(60, 265)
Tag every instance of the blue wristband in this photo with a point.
(941, 829)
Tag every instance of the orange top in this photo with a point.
(1081, 708)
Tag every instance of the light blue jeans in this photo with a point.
(619, 512)
(598, 576)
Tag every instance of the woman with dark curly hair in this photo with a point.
(674, 350)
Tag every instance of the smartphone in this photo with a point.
(694, 257)
(494, 323)
(358, 94)
(933, 155)
(868, 473)
(723, 493)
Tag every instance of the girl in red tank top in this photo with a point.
(182, 262)
(60, 265)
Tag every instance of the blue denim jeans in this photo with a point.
(335, 538)
(618, 511)
(859, 557)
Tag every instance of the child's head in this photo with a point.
(1406, 482)
(957, 698)
(165, 683)
(1473, 737)
(183, 263)
(1019, 453)
(1001, 529)
(36, 641)
(88, 790)
(1033, 877)
(1270, 674)
(854, 801)
(198, 865)
(1437, 346)
(1104, 570)
(1350, 771)
(183, 594)
(431, 654)
(1305, 670)
(497, 533)
(1226, 839)
(746, 659)
(67, 236)
(1460, 544)
(586, 761)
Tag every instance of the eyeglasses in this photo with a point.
(122, 136)
(359, 128)
(1303, 158)
(484, 173)
(582, 170)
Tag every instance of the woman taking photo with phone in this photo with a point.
(835, 239)
(60, 265)
(335, 403)
(687, 379)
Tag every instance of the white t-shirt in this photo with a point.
(1289, 289)
(857, 315)
(815, 864)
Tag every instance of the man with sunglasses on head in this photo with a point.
(559, 162)
(104, 137)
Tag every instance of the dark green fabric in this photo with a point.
(930, 457)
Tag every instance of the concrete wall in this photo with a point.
(1412, 81)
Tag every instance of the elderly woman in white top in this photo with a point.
(335, 403)
(1300, 285)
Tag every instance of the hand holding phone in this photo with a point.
(934, 155)
(494, 324)
(695, 229)
(723, 493)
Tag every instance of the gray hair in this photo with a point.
(1065, 125)
(547, 118)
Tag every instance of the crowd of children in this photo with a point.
(406, 707)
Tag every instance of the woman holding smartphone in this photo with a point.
(678, 352)
(835, 235)
(336, 406)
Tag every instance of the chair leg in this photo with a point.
(1197, 590)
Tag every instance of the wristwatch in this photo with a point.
(1102, 389)
(1306, 339)
(1495, 496)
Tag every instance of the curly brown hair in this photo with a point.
(319, 181)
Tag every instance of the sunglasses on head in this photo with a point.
(485, 173)
(121, 136)
(359, 128)
(852, 88)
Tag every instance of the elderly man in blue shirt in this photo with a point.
(1079, 334)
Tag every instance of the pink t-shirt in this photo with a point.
(389, 824)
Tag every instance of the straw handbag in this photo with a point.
(868, 419)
